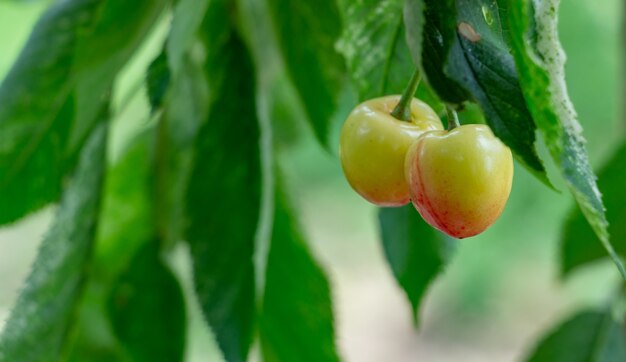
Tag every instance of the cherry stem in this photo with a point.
(402, 111)
(453, 118)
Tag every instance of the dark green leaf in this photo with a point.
(50, 99)
(39, 323)
(577, 246)
(185, 111)
(223, 196)
(147, 309)
(94, 340)
(296, 322)
(415, 251)
(590, 336)
(125, 225)
(158, 80)
(35, 106)
(307, 31)
(438, 36)
(465, 56)
(540, 60)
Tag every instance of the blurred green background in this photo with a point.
(502, 289)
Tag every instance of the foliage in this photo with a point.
(206, 170)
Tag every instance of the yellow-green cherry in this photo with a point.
(374, 143)
(460, 179)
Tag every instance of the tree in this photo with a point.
(206, 170)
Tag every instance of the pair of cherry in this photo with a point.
(458, 179)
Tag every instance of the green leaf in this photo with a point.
(185, 111)
(38, 325)
(223, 196)
(158, 81)
(126, 220)
(577, 247)
(590, 336)
(296, 291)
(466, 56)
(413, 14)
(35, 104)
(375, 47)
(148, 292)
(187, 18)
(437, 37)
(307, 31)
(415, 251)
(125, 225)
(540, 61)
(50, 99)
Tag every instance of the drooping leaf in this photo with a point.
(147, 309)
(577, 242)
(50, 99)
(374, 46)
(415, 251)
(126, 219)
(185, 111)
(187, 18)
(93, 338)
(158, 80)
(434, 26)
(413, 17)
(590, 336)
(465, 56)
(223, 195)
(125, 225)
(540, 61)
(296, 291)
(39, 322)
(307, 31)
(35, 106)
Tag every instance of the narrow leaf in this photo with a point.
(38, 325)
(126, 220)
(185, 111)
(577, 247)
(125, 225)
(50, 99)
(307, 41)
(147, 309)
(540, 61)
(35, 105)
(157, 81)
(296, 291)
(413, 14)
(591, 336)
(415, 251)
(187, 18)
(223, 197)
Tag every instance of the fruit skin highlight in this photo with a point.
(460, 180)
(373, 147)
